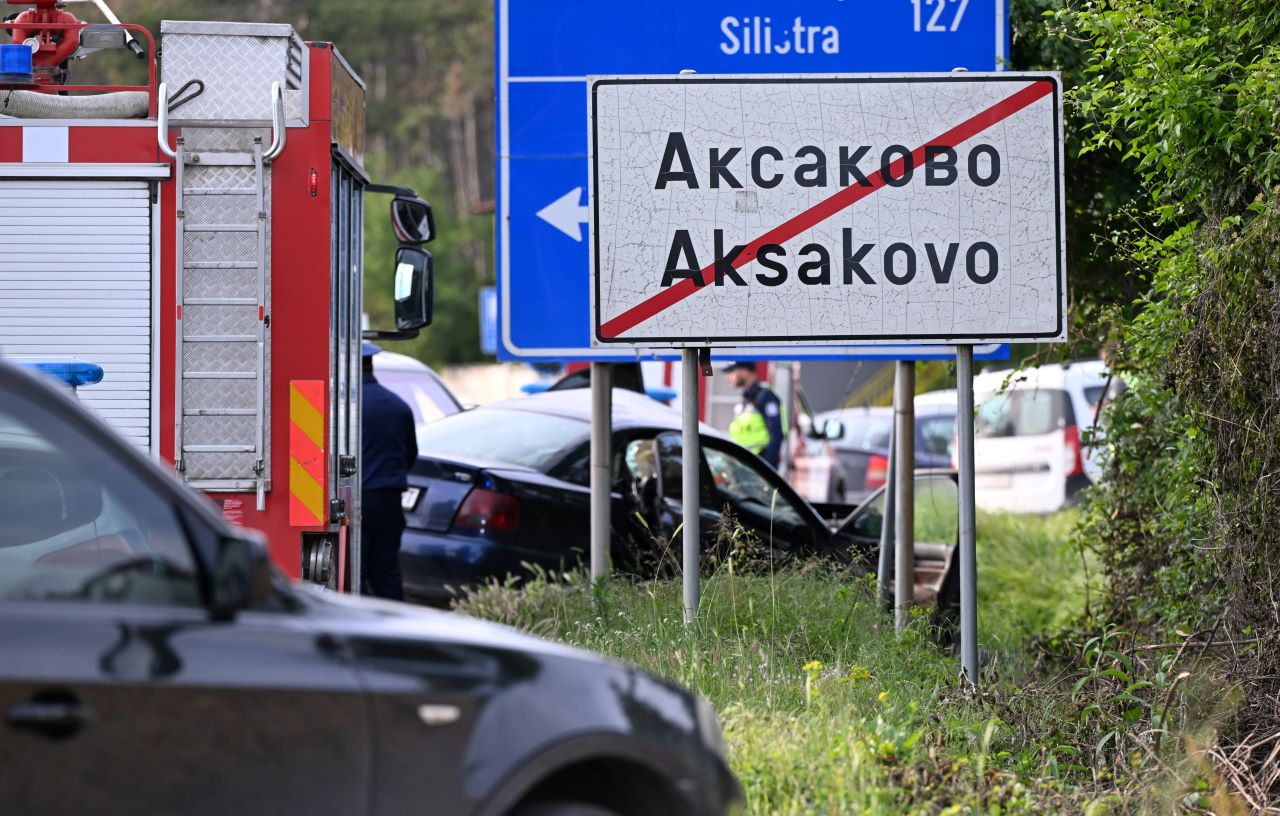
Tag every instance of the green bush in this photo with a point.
(1187, 525)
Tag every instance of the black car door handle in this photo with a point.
(51, 719)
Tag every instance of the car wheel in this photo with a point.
(562, 809)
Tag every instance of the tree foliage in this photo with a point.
(1099, 181)
(1188, 520)
(1187, 91)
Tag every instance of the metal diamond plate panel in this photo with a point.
(216, 209)
(220, 283)
(237, 71)
(204, 247)
(222, 357)
(220, 430)
(219, 466)
(214, 394)
(224, 140)
(222, 393)
(202, 321)
(220, 176)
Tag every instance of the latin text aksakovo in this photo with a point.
(894, 165)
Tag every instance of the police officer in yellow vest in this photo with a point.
(757, 425)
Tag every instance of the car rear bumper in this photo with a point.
(439, 567)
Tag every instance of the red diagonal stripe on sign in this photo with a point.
(823, 210)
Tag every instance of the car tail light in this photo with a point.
(1074, 460)
(488, 511)
(877, 471)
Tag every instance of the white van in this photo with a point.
(1029, 432)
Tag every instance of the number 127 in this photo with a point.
(935, 19)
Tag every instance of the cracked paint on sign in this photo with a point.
(808, 175)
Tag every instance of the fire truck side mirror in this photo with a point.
(414, 288)
(413, 221)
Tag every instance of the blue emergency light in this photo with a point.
(16, 65)
(71, 371)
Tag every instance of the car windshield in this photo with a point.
(78, 523)
(427, 398)
(1023, 412)
(870, 431)
(497, 434)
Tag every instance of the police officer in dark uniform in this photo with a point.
(758, 423)
(389, 447)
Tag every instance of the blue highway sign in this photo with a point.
(547, 48)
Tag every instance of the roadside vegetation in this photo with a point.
(827, 711)
(1186, 524)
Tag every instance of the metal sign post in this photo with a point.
(601, 453)
(691, 535)
(968, 529)
(904, 474)
(885, 566)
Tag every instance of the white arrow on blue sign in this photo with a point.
(546, 50)
(567, 213)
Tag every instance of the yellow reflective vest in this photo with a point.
(748, 429)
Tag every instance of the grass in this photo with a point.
(1029, 581)
(825, 709)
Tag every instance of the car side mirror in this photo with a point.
(412, 220)
(241, 575)
(414, 288)
(833, 430)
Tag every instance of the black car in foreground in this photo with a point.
(152, 661)
(505, 487)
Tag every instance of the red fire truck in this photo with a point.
(199, 237)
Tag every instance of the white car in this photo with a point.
(1030, 431)
(415, 383)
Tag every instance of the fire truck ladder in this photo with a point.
(223, 311)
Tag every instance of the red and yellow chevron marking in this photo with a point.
(306, 453)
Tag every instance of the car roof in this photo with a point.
(630, 410)
(856, 413)
(1052, 375)
(937, 399)
(931, 407)
(392, 361)
(1087, 372)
